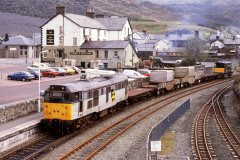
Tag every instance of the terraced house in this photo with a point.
(65, 33)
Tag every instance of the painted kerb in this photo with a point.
(160, 128)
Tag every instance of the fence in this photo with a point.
(160, 128)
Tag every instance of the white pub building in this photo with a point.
(68, 36)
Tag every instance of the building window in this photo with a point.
(25, 47)
(97, 54)
(21, 53)
(26, 53)
(105, 54)
(90, 32)
(60, 30)
(60, 40)
(115, 53)
(98, 32)
(44, 55)
(105, 33)
(74, 41)
(21, 47)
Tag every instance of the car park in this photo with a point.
(49, 73)
(60, 71)
(22, 76)
(69, 70)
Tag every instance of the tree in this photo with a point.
(195, 48)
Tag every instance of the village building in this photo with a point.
(232, 45)
(65, 33)
(113, 54)
(20, 46)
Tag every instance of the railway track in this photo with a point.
(232, 140)
(95, 144)
(45, 143)
(203, 148)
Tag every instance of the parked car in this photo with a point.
(145, 72)
(60, 71)
(23, 76)
(49, 73)
(77, 70)
(69, 70)
(36, 73)
(133, 74)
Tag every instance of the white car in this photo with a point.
(133, 74)
(38, 66)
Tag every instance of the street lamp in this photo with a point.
(26, 56)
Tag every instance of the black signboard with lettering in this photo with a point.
(50, 37)
(81, 53)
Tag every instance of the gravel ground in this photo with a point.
(132, 144)
(217, 141)
(230, 103)
(183, 126)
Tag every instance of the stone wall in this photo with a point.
(19, 109)
(236, 86)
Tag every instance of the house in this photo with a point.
(65, 33)
(20, 46)
(163, 45)
(232, 45)
(113, 54)
(219, 36)
(217, 44)
(173, 53)
(145, 50)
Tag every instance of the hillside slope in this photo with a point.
(130, 8)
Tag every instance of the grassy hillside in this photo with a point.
(16, 24)
(130, 8)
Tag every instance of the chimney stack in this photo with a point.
(196, 34)
(60, 10)
(90, 13)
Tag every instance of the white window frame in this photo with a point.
(74, 41)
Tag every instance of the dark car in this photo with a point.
(49, 73)
(23, 76)
(36, 74)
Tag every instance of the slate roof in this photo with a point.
(2, 46)
(176, 49)
(19, 40)
(24, 41)
(104, 45)
(85, 21)
(113, 23)
(145, 47)
(230, 41)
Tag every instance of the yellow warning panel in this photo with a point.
(219, 70)
(59, 111)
